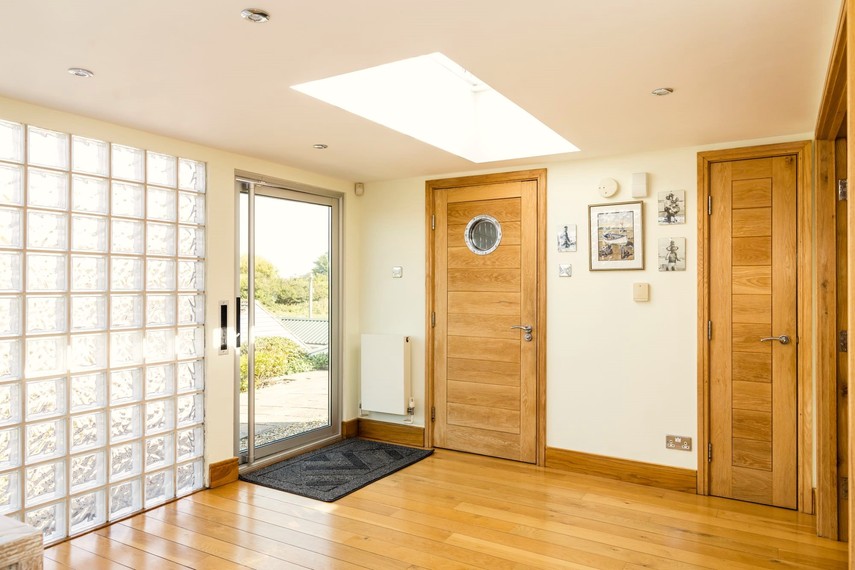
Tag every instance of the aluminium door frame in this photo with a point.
(802, 150)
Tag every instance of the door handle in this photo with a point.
(783, 339)
(526, 329)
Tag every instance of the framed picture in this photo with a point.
(672, 207)
(672, 254)
(616, 236)
(567, 237)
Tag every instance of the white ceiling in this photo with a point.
(194, 70)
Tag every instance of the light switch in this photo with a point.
(641, 292)
(397, 272)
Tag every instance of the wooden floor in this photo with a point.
(454, 510)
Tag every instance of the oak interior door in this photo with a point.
(753, 346)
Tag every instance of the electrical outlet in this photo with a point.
(678, 442)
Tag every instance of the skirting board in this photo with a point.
(223, 472)
(650, 474)
(392, 433)
(349, 428)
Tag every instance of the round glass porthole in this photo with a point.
(483, 234)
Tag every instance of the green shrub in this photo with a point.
(320, 361)
(274, 357)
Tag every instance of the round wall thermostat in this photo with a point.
(608, 187)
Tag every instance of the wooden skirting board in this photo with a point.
(391, 433)
(650, 474)
(349, 428)
(223, 472)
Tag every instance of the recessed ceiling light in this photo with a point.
(256, 16)
(662, 91)
(80, 72)
(319, 146)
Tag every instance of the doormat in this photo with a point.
(330, 473)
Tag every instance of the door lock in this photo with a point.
(526, 329)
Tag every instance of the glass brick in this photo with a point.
(46, 356)
(10, 316)
(158, 488)
(87, 511)
(47, 148)
(11, 229)
(46, 272)
(160, 310)
(45, 440)
(10, 272)
(191, 175)
(127, 236)
(189, 409)
(126, 348)
(11, 185)
(159, 452)
(47, 230)
(126, 386)
(90, 194)
(188, 478)
(128, 163)
(87, 471)
(47, 189)
(191, 276)
(190, 376)
(10, 448)
(88, 392)
(125, 461)
(88, 352)
(191, 309)
(46, 315)
(128, 200)
(160, 275)
(88, 273)
(159, 380)
(44, 483)
(125, 423)
(88, 233)
(191, 208)
(190, 343)
(10, 359)
(161, 169)
(88, 431)
(50, 520)
(11, 141)
(10, 403)
(161, 204)
(88, 313)
(90, 156)
(160, 238)
(45, 398)
(10, 500)
(126, 311)
(191, 241)
(190, 443)
(159, 416)
(159, 345)
(125, 499)
(127, 274)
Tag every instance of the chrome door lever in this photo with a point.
(526, 329)
(783, 339)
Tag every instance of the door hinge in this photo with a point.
(709, 453)
(844, 488)
(843, 341)
(842, 189)
(709, 330)
(433, 319)
(433, 221)
(709, 205)
(433, 413)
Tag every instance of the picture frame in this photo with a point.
(566, 238)
(671, 253)
(671, 207)
(616, 236)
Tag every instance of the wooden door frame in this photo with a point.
(802, 151)
(431, 188)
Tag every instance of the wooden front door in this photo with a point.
(485, 365)
(753, 341)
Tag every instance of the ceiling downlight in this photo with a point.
(80, 72)
(662, 91)
(255, 16)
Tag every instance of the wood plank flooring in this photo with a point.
(454, 510)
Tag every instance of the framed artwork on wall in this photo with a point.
(672, 207)
(567, 238)
(616, 234)
(672, 254)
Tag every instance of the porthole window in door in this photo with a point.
(483, 234)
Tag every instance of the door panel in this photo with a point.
(753, 409)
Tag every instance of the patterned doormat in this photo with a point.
(330, 473)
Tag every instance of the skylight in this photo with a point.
(436, 101)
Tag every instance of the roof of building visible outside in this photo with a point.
(309, 331)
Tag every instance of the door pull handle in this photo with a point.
(526, 329)
(783, 339)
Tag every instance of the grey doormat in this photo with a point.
(330, 473)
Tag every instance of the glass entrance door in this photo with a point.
(287, 381)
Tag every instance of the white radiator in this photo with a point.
(385, 379)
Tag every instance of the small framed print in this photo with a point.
(616, 236)
(672, 207)
(567, 238)
(672, 254)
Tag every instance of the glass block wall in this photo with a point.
(102, 269)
